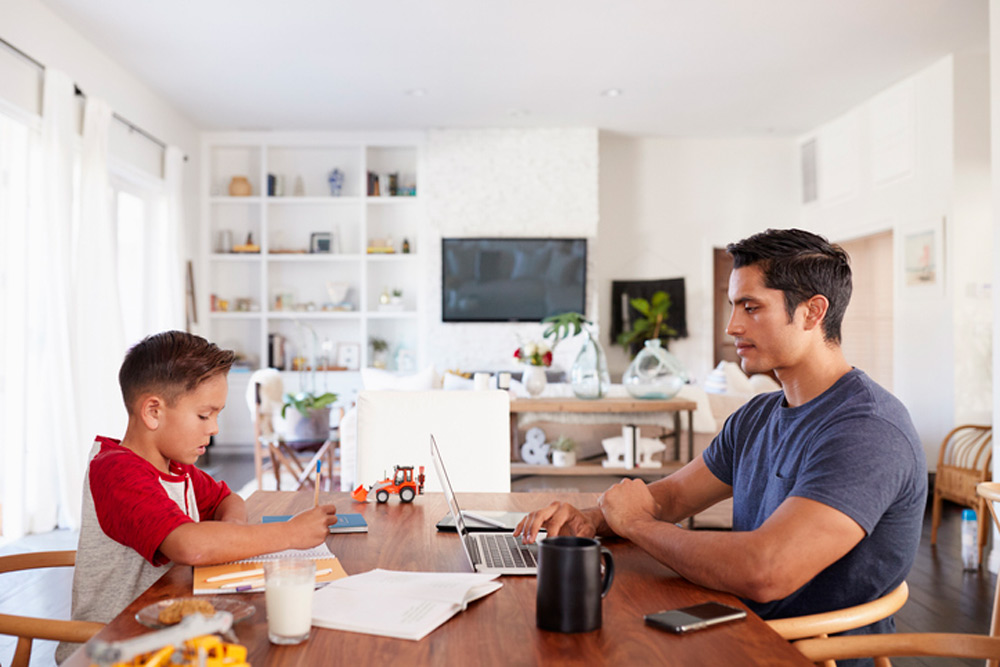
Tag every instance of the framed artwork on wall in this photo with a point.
(923, 257)
(349, 355)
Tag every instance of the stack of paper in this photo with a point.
(421, 601)
(247, 576)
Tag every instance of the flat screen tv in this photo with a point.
(512, 279)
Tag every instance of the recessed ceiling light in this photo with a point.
(612, 92)
(416, 92)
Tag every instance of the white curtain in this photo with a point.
(48, 416)
(62, 329)
(99, 340)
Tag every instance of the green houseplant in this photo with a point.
(563, 451)
(311, 418)
(652, 325)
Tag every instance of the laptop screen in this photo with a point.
(449, 495)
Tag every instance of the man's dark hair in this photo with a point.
(800, 264)
(171, 364)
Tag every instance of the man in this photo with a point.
(828, 475)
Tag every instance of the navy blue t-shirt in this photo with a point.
(853, 448)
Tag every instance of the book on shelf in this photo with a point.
(247, 575)
(346, 523)
(421, 601)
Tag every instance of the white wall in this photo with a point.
(906, 160)
(667, 202)
(32, 27)
(529, 183)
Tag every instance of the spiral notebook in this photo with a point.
(247, 576)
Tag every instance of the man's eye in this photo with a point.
(203, 417)
(751, 309)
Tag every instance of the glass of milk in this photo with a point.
(288, 594)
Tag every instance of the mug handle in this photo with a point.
(609, 570)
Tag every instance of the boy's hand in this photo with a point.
(310, 528)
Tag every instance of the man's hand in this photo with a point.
(557, 519)
(627, 503)
(311, 527)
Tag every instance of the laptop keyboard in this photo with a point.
(502, 550)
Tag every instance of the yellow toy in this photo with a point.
(159, 649)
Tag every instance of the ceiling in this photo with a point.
(684, 67)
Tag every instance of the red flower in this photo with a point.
(517, 353)
(547, 359)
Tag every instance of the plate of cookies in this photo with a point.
(170, 611)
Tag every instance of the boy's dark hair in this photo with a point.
(800, 264)
(171, 363)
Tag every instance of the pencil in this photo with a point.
(319, 466)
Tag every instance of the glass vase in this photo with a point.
(654, 373)
(589, 376)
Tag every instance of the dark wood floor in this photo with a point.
(943, 598)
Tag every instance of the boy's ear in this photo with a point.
(151, 411)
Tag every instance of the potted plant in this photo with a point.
(651, 326)
(563, 452)
(379, 348)
(311, 418)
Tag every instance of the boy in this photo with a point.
(145, 505)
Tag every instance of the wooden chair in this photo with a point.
(882, 647)
(29, 628)
(963, 462)
(989, 492)
(840, 620)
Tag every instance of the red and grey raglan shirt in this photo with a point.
(129, 508)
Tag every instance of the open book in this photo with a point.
(421, 601)
(247, 576)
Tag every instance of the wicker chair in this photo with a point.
(990, 493)
(963, 462)
(29, 628)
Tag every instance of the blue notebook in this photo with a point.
(346, 523)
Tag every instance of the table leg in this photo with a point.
(677, 436)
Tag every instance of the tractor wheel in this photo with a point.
(406, 494)
(382, 496)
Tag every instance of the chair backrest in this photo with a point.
(967, 447)
(882, 647)
(839, 620)
(472, 429)
(29, 628)
(264, 396)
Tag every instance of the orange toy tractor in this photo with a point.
(402, 482)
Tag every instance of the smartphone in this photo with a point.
(695, 617)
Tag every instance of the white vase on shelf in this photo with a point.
(534, 379)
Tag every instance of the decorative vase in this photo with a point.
(239, 187)
(296, 428)
(533, 379)
(563, 459)
(654, 373)
(589, 376)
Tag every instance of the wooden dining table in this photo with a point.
(497, 629)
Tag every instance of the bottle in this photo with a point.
(970, 550)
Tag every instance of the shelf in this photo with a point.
(226, 199)
(592, 468)
(389, 256)
(392, 315)
(313, 314)
(311, 257)
(391, 200)
(235, 314)
(330, 199)
(234, 256)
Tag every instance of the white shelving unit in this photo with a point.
(285, 271)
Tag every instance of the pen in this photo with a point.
(242, 574)
(248, 584)
(484, 519)
(319, 466)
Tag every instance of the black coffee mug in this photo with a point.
(570, 586)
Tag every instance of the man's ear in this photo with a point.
(151, 409)
(816, 307)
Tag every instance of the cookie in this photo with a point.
(175, 611)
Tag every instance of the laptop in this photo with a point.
(499, 553)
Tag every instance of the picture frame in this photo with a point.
(923, 257)
(321, 242)
(349, 355)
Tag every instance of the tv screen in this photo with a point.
(512, 280)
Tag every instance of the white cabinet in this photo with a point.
(307, 275)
